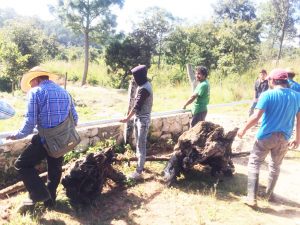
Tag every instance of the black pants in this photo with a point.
(198, 117)
(25, 165)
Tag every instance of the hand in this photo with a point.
(241, 133)
(124, 120)
(294, 144)
(11, 137)
(184, 107)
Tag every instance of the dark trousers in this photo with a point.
(198, 117)
(25, 165)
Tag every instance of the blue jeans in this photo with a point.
(141, 127)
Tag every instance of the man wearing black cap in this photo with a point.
(278, 108)
(142, 111)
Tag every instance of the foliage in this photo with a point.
(123, 55)
(279, 18)
(237, 46)
(7, 14)
(234, 10)
(76, 154)
(90, 18)
(5, 84)
(178, 47)
(156, 23)
(13, 62)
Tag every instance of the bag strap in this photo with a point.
(42, 130)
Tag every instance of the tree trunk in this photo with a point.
(284, 27)
(280, 46)
(86, 57)
(128, 127)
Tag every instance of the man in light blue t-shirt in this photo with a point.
(292, 84)
(278, 108)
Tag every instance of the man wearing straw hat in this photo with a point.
(48, 106)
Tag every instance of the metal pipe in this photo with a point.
(153, 115)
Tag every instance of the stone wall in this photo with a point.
(164, 127)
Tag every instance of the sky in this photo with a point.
(193, 10)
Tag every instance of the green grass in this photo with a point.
(96, 102)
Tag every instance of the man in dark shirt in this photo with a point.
(142, 111)
(261, 85)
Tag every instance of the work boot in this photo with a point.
(252, 188)
(136, 176)
(270, 188)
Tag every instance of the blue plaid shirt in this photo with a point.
(48, 106)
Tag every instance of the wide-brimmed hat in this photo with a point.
(34, 73)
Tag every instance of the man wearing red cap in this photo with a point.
(142, 112)
(278, 108)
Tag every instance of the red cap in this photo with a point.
(278, 74)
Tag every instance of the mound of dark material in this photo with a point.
(85, 180)
(207, 144)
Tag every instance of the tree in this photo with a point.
(30, 41)
(280, 18)
(89, 17)
(178, 47)
(237, 46)
(237, 36)
(156, 23)
(234, 10)
(192, 45)
(6, 14)
(123, 55)
(22, 47)
(13, 63)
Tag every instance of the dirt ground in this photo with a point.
(192, 200)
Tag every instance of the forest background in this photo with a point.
(82, 43)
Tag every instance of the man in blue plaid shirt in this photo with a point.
(48, 106)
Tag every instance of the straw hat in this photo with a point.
(34, 73)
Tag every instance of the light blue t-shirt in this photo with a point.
(294, 85)
(280, 108)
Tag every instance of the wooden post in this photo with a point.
(128, 127)
(191, 76)
(66, 78)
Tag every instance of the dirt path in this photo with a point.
(287, 189)
(197, 199)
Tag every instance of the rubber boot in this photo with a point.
(270, 188)
(252, 188)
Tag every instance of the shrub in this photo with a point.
(5, 84)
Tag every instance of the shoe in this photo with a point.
(250, 202)
(135, 176)
(26, 207)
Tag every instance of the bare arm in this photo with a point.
(190, 100)
(125, 120)
(295, 143)
(251, 122)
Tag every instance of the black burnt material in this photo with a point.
(206, 144)
(84, 181)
